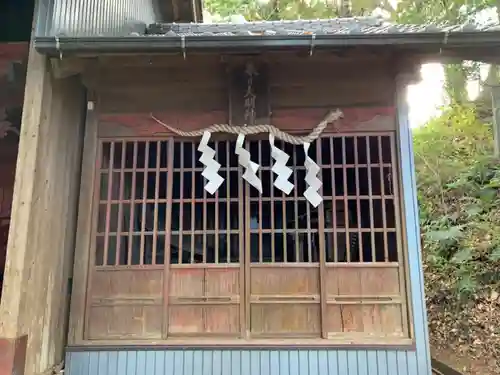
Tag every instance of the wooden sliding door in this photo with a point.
(171, 262)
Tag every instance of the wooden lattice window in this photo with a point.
(171, 262)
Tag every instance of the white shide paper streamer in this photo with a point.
(283, 172)
(211, 171)
(251, 168)
(312, 170)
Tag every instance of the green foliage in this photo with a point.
(447, 12)
(273, 10)
(434, 11)
(458, 191)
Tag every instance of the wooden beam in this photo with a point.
(84, 228)
(39, 252)
(14, 272)
(67, 67)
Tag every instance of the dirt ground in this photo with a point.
(467, 339)
(462, 363)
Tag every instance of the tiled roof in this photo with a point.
(340, 26)
(466, 41)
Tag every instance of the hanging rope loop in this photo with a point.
(332, 116)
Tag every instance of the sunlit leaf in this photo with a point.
(495, 255)
(462, 256)
(474, 210)
(451, 233)
(467, 285)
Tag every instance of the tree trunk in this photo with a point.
(346, 8)
(455, 83)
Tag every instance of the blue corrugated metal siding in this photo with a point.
(95, 17)
(243, 362)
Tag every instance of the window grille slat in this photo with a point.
(132, 205)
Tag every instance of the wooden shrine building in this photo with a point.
(220, 198)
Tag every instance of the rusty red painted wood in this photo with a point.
(298, 119)
(13, 51)
(13, 355)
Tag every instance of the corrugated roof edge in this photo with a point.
(54, 46)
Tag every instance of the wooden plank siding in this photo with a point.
(201, 85)
(122, 301)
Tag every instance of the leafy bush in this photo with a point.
(458, 192)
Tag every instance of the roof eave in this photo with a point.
(157, 44)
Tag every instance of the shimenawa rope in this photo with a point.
(256, 129)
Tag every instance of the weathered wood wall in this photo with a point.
(41, 239)
(194, 92)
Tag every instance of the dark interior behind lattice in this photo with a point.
(358, 208)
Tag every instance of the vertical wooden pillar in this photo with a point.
(41, 238)
(13, 341)
(495, 97)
